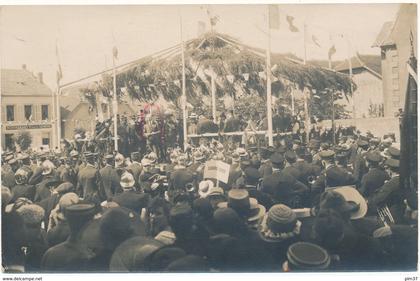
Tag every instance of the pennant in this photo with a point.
(246, 76)
(292, 27)
(331, 52)
(59, 70)
(230, 78)
(115, 52)
(273, 16)
(316, 41)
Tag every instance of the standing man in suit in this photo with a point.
(89, 180)
(109, 178)
(375, 177)
(135, 167)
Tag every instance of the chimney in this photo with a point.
(40, 80)
(24, 66)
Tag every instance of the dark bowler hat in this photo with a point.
(373, 157)
(281, 149)
(392, 163)
(277, 158)
(307, 256)
(252, 175)
(78, 214)
(290, 156)
(327, 154)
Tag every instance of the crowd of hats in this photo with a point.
(169, 217)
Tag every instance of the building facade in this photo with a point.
(367, 99)
(26, 105)
(395, 44)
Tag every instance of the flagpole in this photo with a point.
(184, 96)
(268, 66)
(115, 103)
(351, 77)
(58, 114)
(306, 91)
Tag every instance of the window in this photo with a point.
(28, 112)
(9, 141)
(44, 112)
(10, 112)
(45, 141)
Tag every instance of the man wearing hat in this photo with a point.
(89, 180)
(390, 194)
(359, 164)
(130, 198)
(289, 168)
(375, 177)
(110, 179)
(283, 187)
(71, 255)
(266, 167)
(48, 176)
(307, 170)
(26, 164)
(22, 188)
(7, 173)
(135, 167)
(331, 176)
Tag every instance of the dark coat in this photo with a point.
(23, 190)
(8, 178)
(373, 180)
(88, 183)
(284, 188)
(306, 170)
(110, 181)
(67, 257)
(359, 168)
(42, 190)
(266, 169)
(132, 199)
(58, 234)
(331, 177)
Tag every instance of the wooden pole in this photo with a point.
(58, 116)
(268, 70)
(184, 95)
(213, 94)
(115, 103)
(306, 92)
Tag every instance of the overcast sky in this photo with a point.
(86, 34)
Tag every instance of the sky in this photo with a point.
(85, 35)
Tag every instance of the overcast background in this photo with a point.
(86, 34)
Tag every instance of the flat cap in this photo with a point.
(394, 152)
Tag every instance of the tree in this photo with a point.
(23, 139)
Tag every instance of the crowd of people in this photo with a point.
(323, 205)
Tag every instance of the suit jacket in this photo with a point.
(88, 183)
(284, 188)
(373, 180)
(42, 190)
(110, 181)
(266, 169)
(390, 194)
(306, 170)
(359, 168)
(331, 177)
(23, 190)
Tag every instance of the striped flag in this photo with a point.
(292, 26)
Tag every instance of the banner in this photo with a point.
(218, 170)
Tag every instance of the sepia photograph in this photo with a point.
(208, 138)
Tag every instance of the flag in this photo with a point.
(331, 52)
(292, 27)
(273, 17)
(59, 70)
(316, 41)
(212, 18)
(408, 133)
(115, 52)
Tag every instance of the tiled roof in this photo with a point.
(384, 38)
(20, 82)
(369, 62)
